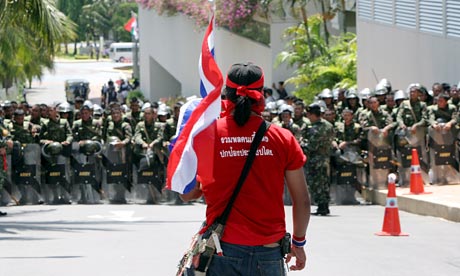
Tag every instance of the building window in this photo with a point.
(406, 13)
(383, 11)
(365, 9)
(431, 16)
(452, 20)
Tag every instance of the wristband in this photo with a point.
(299, 242)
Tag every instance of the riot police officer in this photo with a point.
(148, 145)
(56, 137)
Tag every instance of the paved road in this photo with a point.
(51, 88)
(120, 240)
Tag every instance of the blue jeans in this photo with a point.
(247, 261)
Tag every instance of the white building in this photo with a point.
(408, 41)
(170, 48)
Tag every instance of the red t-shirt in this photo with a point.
(257, 216)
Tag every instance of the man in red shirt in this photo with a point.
(256, 224)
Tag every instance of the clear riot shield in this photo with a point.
(86, 180)
(405, 141)
(26, 173)
(115, 174)
(442, 155)
(380, 159)
(56, 174)
(350, 174)
(149, 174)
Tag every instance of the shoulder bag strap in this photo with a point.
(244, 173)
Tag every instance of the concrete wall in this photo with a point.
(405, 56)
(170, 49)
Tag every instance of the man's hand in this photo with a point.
(300, 258)
(65, 143)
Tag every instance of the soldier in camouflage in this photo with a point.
(87, 128)
(316, 143)
(22, 131)
(376, 119)
(5, 144)
(119, 128)
(55, 129)
(149, 133)
(412, 113)
(442, 116)
(135, 115)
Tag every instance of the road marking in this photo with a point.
(118, 216)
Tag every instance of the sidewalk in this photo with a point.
(442, 202)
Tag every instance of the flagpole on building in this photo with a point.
(135, 49)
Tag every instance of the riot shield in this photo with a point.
(443, 165)
(56, 175)
(149, 175)
(26, 173)
(86, 180)
(115, 174)
(405, 141)
(380, 159)
(350, 169)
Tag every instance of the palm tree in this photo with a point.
(29, 33)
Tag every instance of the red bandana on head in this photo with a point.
(246, 91)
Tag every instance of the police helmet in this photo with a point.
(163, 110)
(380, 90)
(113, 139)
(88, 103)
(386, 83)
(400, 95)
(97, 110)
(90, 147)
(351, 94)
(54, 148)
(145, 106)
(286, 108)
(64, 108)
(335, 94)
(326, 93)
(365, 94)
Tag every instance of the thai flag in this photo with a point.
(183, 162)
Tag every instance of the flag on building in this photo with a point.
(183, 162)
(131, 26)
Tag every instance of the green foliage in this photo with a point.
(136, 93)
(318, 65)
(24, 56)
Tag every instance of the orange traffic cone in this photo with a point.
(391, 226)
(416, 181)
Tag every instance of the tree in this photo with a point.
(22, 55)
(318, 65)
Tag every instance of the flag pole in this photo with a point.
(135, 50)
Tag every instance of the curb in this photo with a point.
(415, 204)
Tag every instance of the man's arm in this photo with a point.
(297, 185)
(195, 193)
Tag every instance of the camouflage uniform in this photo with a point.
(170, 128)
(412, 113)
(21, 133)
(56, 130)
(148, 133)
(379, 119)
(133, 118)
(302, 122)
(87, 130)
(120, 129)
(316, 144)
(293, 128)
(448, 114)
(348, 133)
